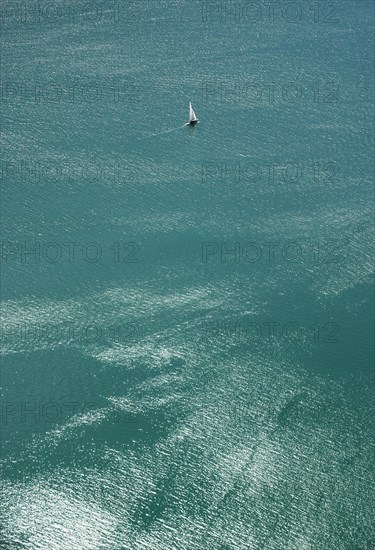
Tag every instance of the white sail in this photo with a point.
(192, 115)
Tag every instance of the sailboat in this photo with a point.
(192, 116)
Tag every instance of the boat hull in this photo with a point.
(192, 122)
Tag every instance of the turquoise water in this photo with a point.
(186, 320)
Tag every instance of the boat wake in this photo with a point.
(167, 131)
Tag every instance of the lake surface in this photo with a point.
(187, 320)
